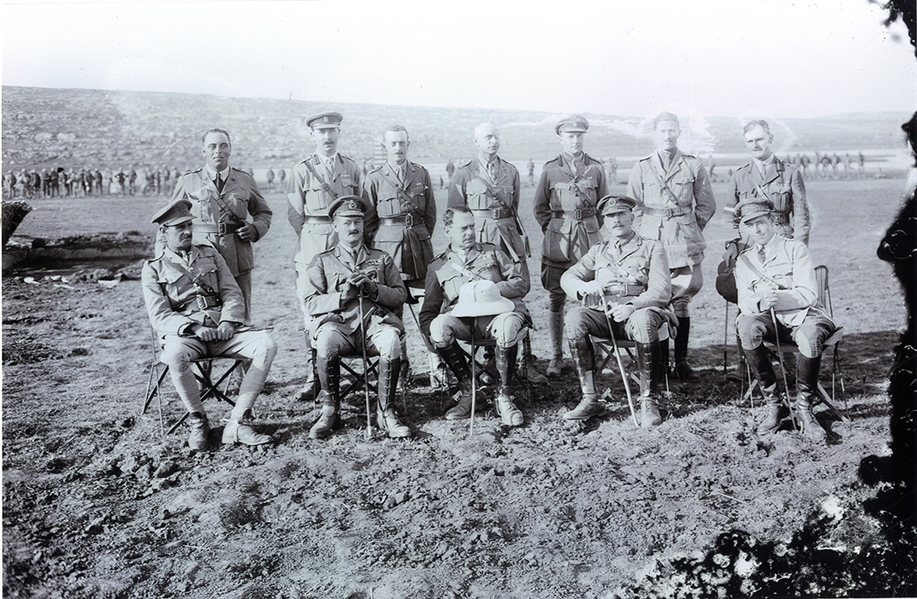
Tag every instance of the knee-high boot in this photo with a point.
(556, 333)
(647, 355)
(329, 374)
(386, 416)
(682, 369)
(807, 390)
(584, 360)
(506, 365)
(759, 363)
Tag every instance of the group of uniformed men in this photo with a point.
(364, 250)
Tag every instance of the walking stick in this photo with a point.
(614, 348)
(369, 431)
(474, 382)
(726, 340)
(786, 387)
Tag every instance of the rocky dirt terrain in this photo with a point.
(96, 503)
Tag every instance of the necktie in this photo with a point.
(492, 170)
(761, 254)
(219, 183)
(329, 168)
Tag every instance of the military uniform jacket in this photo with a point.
(787, 267)
(783, 185)
(565, 208)
(325, 280)
(210, 208)
(404, 217)
(673, 206)
(636, 272)
(495, 204)
(448, 272)
(310, 199)
(172, 288)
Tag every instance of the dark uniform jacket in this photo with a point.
(673, 205)
(218, 215)
(178, 295)
(495, 204)
(310, 199)
(565, 208)
(326, 276)
(637, 273)
(404, 217)
(448, 272)
(783, 185)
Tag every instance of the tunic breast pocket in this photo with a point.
(346, 182)
(683, 190)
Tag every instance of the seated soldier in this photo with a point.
(623, 287)
(197, 309)
(343, 283)
(777, 291)
(464, 261)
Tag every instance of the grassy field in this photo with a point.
(96, 504)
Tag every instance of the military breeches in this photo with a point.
(502, 328)
(245, 284)
(550, 280)
(642, 326)
(686, 282)
(809, 336)
(333, 339)
(257, 346)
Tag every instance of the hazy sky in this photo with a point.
(776, 58)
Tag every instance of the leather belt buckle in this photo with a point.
(408, 220)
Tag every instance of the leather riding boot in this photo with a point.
(309, 391)
(683, 370)
(455, 360)
(807, 388)
(759, 363)
(386, 416)
(647, 356)
(584, 359)
(329, 372)
(506, 365)
(239, 431)
(556, 333)
(200, 428)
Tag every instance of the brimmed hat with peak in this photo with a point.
(481, 298)
(753, 208)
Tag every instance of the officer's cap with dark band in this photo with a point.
(753, 208)
(176, 213)
(324, 120)
(612, 204)
(572, 122)
(348, 206)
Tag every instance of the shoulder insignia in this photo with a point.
(466, 164)
(376, 168)
(197, 170)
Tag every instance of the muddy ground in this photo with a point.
(96, 503)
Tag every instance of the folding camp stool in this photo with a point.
(824, 297)
(203, 369)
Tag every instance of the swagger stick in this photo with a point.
(369, 431)
(786, 387)
(614, 348)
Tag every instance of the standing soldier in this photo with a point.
(222, 198)
(530, 168)
(490, 187)
(282, 174)
(674, 204)
(767, 177)
(317, 182)
(401, 194)
(565, 207)
(270, 178)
